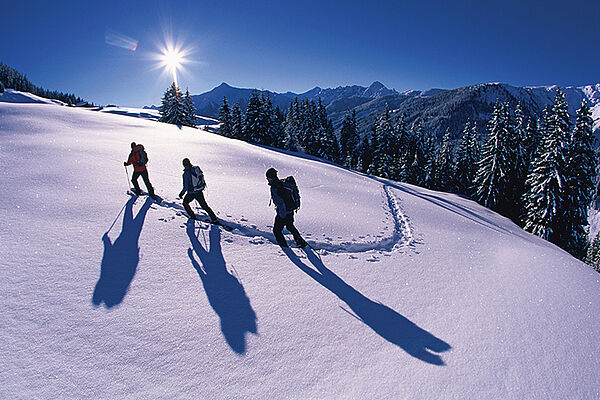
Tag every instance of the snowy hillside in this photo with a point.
(418, 295)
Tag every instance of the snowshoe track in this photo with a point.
(401, 237)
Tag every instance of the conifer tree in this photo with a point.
(442, 173)
(467, 156)
(225, 118)
(237, 123)
(546, 198)
(404, 138)
(532, 140)
(172, 109)
(325, 143)
(592, 256)
(492, 182)
(309, 127)
(365, 153)
(254, 129)
(581, 169)
(277, 128)
(268, 121)
(189, 110)
(384, 146)
(291, 126)
(349, 140)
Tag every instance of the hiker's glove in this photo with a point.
(125, 163)
(181, 195)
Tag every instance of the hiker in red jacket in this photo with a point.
(139, 158)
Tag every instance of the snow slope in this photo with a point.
(420, 295)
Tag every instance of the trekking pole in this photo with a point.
(127, 173)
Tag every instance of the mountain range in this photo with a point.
(436, 109)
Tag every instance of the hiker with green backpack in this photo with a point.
(194, 184)
(286, 197)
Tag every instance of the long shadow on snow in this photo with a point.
(225, 293)
(386, 322)
(121, 258)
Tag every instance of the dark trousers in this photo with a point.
(287, 222)
(144, 175)
(199, 197)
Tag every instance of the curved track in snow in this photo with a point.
(401, 236)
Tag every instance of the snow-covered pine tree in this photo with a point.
(425, 174)
(592, 256)
(442, 173)
(268, 121)
(349, 140)
(254, 128)
(404, 139)
(291, 126)
(189, 110)
(532, 140)
(172, 109)
(365, 153)
(309, 127)
(225, 119)
(325, 143)
(492, 180)
(277, 128)
(237, 123)
(467, 156)
(518, 166)
(581, 169)
(546, 196)
(384, 146)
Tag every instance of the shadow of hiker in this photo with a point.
(225, 293)
(386, 322)
(121, 258)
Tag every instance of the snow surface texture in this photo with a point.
(419, 295)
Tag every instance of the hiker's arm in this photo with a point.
(279, 203)
(186, 183)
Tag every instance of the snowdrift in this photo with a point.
(418, 294)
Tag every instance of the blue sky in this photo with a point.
(283, 46)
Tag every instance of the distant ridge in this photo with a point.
(436, 109)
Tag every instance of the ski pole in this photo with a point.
(127, 173)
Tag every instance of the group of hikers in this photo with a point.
(284, 193)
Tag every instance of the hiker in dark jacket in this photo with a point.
(136, 157)
(193, 174)
(284, 217)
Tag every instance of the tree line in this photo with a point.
(539, 172)
(10, 78)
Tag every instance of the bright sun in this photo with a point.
(172, 59)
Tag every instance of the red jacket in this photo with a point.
(134, 158)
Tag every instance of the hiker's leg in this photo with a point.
(186, 204)
(147, 183)
(277, 228)
(134, 180)
(289, 224)
(200, 198)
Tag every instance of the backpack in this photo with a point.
(143, 157)
(198, 183)
(290, 194)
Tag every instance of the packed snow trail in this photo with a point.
(401, 235)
